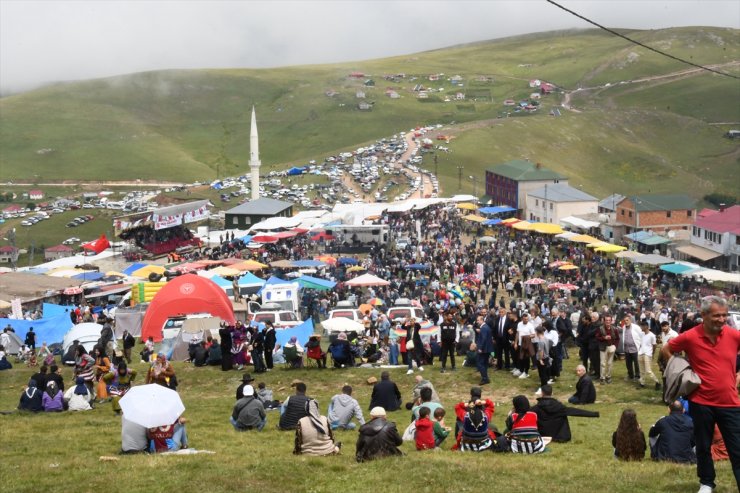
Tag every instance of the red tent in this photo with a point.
(98, 245)
(185, 294)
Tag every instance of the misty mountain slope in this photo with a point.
(188, 125)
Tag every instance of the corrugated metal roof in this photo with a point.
(260, 206)
(656, 202)
(560, 192)
(521, 170)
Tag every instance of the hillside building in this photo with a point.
(510, 182)
(249, 213)
(57, 252)
(715, 238)
(656, 213)
(551, 203)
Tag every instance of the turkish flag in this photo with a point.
(98, 245)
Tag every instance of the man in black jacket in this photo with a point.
(501, 326)
(448, 333)
(672, 437)
(270, 339)
(552, 416)
(585, 390)
(378, 438)
(129, 342)
(386, 394)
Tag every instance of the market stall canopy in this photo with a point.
(566, 235)
(367, 280)
(282, 264)
(467, 206)
(608, 248)
(584, 239)
(475, 218)
(628, 254)
(249, 265)
(496, 210)
(225, 271)
(522, 226)
(144, 272)
(547, 228)
(317, 283)
(652, 259)
(681, 268)
(491, 222)
(579, 223)
(718, 275)
(698, 252)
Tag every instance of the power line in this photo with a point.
(718, 72)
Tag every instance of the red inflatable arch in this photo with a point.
(185, 294)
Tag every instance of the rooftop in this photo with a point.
(561, 192)
(523, 170)
(611, 201)
(657, 202)
(261, 206)
(726, 221)
(60, 248)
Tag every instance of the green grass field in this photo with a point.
(187, 125)
(62, 451)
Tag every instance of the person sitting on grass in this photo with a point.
(474, 435)
(119, 382)
(214, 354)
(629, 440)
(249, 412)
(585, 390)
(441, 432)
(31, 398)
(343, 408)
(523, 434)
(294, 408)
(386, 394)
(162, 373)
(78, 397)
(424, 430)
(52, 398)
(133, 437)
(672, 437)
(168, 438)
(552, 416)
(264, 395)
(4, 363)
(313, 435)
(377, 438)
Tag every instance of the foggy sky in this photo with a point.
(47, 41)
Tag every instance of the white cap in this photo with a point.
(248, 390)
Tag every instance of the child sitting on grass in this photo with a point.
(440, 430)
(424, 430)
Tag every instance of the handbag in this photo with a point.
(410, 344)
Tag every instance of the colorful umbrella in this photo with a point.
(375, 302)
(365, 308)
(356, 268)
(534, 281)
(568, 267)
(328, 259)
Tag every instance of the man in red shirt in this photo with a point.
(712, 348)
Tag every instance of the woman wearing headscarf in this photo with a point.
(474, 435)
(101, 368)
(52, 398)
(162, 372)
(78, 397)
(31, 398)
(313, 435)
(522, 432)
(119, 382)
(84, 367)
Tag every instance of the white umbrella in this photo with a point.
(342, 324)
(151, 405)
(486, 239)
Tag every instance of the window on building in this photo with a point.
(737, 239)
(550, 205)
(668, 214)
(630, 213)
(621, 212)
(536, 202)
(688, 213)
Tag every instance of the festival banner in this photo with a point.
(198, 214)
(164, 222)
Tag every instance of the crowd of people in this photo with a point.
(491, 309)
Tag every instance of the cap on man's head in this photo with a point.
(248, 390)
(377, 412)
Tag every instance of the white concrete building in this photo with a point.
(551, 203)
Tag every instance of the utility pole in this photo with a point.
(436, 168)
(460, 169)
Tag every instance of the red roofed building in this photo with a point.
(13, 208)
(8, 254)
(59, 251)
(715, 238)
(35, 194)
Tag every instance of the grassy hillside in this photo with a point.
(189, 125)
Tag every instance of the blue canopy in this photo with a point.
(315, 283)
(89, 276)
(347, 261)
(38, 270)
(275, 280)
(496, 210)
(678, 268)
(417, 266)
(308, 263)
(246, 238)
(221, 282)
(491, 222)
(296, 171)
(133, 268)
(302, 332)
(250, 279)
(52, 310)
(47, 329)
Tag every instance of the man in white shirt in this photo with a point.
(645, 355)
(524, 335)
(557, 362)
(629, 341)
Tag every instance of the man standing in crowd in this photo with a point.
(712, 349)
